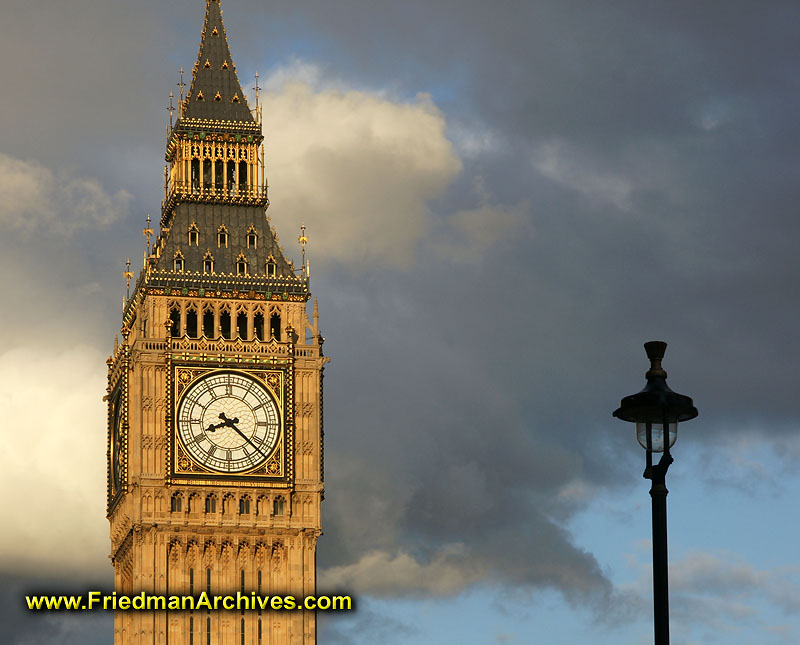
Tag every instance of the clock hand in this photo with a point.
(225, 422)
(231, 423)
(243, 436)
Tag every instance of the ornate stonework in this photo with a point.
(217, 496)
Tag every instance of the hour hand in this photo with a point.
(225, 421)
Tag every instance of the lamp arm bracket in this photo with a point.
(659, 471)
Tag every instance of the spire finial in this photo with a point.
(303, 239)
(127, 275)
(171, 108)
(147, 232)
(257, 87)
(181, 85)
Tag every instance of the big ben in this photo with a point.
(215, 462)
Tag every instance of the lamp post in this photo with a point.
(656, 411)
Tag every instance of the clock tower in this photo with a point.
(215, 390)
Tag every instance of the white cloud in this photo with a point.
(295, 71)
(53, 454)
(361, 170)
(33, 197)
(382, 573)
(358, 169)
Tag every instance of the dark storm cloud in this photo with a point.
(468, 405)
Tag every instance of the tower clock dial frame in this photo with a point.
(229, 423)
(117, 441)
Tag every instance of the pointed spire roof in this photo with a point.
(215, 93)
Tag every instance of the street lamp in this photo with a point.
(656, 411)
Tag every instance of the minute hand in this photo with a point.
(230, 424)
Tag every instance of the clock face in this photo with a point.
(116, 444)
(228, 421)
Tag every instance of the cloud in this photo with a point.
(295, 71)
(53, 456)
(470, 233)
(19, 626)
(34, 198)
(362, 170)
(358, 169)
(380, 573)
(567, 167)
(720, 590)
(366, 625)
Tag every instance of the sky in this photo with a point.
(504, 201)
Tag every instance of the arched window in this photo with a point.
(177, 261)
(207, 175)
(225, 324)
(175, 320)
(242, 176)
(258, 325)
(222, 236)
(244, 505)
(278, 506)
(231, 167)
(241, 265)
(191, 322)
(241, 325)
(271, 267)
(252, 238)
(208, 323)
(195, 175)
(176, 503)
(219, 174)
(208, 263)
(275, 326)
(211, 504)
(194, 234)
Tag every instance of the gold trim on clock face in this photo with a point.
(228, 422)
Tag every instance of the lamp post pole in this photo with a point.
(658, 493)
(656, 411)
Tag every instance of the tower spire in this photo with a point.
(215, 92)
